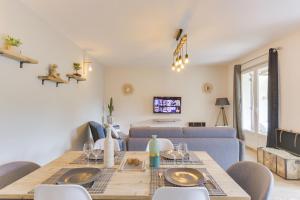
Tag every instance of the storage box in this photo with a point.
(280, 162)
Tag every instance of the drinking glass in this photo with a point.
(97, 153)
(179, 149)
(87, 149)
(185, 151)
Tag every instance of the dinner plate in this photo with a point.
(171, 155)
(80, 176)
(185, 177)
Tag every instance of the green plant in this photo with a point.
(110, 106)
(76, 66)
(12, 41)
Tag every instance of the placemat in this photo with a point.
(213, 188)
(98, 186)
(82, 159)
(193, 160)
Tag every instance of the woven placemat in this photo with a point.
(192, 160)
(82, 159)
(156, 182)
(98, 186)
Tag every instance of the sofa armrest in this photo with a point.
(241, 150)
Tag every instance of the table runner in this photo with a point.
(98, 186)
(213, 188)
(83, 160)
(193, 160)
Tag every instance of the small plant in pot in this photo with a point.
(10, 41)
(77, 67)
(110, 107)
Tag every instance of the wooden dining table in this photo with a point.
(123, 184)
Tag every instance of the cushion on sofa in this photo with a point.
(209, 132)
(161, 132)
(97, 130)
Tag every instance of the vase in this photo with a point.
(109, 119)
(109, 149)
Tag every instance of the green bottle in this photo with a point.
(154, 152)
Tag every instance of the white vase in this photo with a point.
(109, 119)
(108, 149)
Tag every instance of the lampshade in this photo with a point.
(222, 102)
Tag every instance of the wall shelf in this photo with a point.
(18, 57)
(50, 78)
(77, 78)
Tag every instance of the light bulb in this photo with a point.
(182, 66)
(173, 68)
(180, 60)
(90, 68)
(178, 69)
(176, 62)
(186, 59)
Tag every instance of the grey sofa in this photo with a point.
(220, 142)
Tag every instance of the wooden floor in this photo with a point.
(284, 189)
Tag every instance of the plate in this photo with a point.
(80, 176)
(171, 155)
(185, 177)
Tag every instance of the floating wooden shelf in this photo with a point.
(18, 57)
(50, 78)
(77, 78)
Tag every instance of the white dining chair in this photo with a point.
(164, 144)
(61, 192)
(99, 144)
(181, 193)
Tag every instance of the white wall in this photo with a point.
(38, 123)
(289, 76)
(161, 81)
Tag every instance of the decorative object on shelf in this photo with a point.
(53, 76)
(10, 42)
(108, 149)
(110, 107)
(76, 76)
(179, 59)
(207, 88)
(127, 89)
(222, 102)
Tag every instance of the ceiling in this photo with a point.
(140, 33)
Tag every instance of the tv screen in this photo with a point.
(168, 105)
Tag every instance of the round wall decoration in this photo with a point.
(207, 88)
(127, 89)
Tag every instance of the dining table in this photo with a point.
(123, 184)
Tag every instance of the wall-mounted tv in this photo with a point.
(167, 105)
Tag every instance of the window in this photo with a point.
(255, 99)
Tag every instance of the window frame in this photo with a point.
(255, 99)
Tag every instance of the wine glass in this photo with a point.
(87, 149)
(97, 153)
(178, 149)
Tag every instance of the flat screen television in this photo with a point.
(167, 105)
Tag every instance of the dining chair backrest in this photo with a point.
(181, 193)
(10, 172)
(99, 144)
(254, 178)
(61, 192)
(164, 144)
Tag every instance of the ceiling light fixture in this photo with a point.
(180, 61)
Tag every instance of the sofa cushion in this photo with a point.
(97, 130)
(209, 132)
(161, 132)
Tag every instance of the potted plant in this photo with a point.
(77, 67)
(110, 107)
(10, 42)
